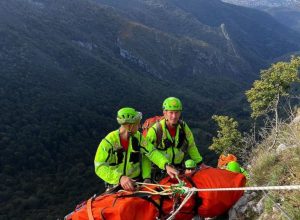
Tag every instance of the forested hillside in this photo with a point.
(286, 12)
(66, 67)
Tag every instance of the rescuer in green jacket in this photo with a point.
(229, 162)
(234, 166)
(120, 158)
(172, 136)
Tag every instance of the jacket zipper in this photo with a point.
(173, 156)
(125, 164)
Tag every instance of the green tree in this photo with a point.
(274, 83)
(228, 139)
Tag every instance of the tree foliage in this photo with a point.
(274, 82)
(228, 139)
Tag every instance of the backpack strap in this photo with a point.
(89, 208)
(135, 143)
(159, 133)
(183, 143)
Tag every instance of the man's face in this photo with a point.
(172, 117)
(132, 128)
(188, 171)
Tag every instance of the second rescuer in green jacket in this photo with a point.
(234, 166)
(176, 138)
(120, 158)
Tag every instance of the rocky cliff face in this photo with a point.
(277, 166)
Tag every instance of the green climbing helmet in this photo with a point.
(172, 104)
(128, 115)
(233, 166)
(190, 164)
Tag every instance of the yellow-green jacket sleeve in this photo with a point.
(110, 174)
(245, 173)
(146, 167)
(146, 163)
(192, 149)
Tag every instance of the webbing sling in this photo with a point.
(89, 208)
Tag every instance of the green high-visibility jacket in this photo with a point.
(241, 170)
(169, 147)
(112, 162)
(246, 174)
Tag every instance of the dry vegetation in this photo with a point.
(279, 166)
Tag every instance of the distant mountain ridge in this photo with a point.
(286, 12)
(288, 16)
(265, 3)
(249, 33)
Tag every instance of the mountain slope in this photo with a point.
(286, 12)
(246, 33)
(66, 67)
(287, 16)
(257, 35)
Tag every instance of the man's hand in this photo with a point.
(171, 171)
(127, 183)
